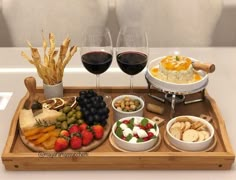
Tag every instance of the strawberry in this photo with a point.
(150, 134)
(64, 133)
(75, 141)
(74, 128)
(61, 144)
(149, 126)
(98, 131)
(87, 137)
(83, 126)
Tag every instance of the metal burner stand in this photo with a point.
(175, 97)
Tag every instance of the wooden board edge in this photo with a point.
(118, 162)
(12, 131)
(221, 123)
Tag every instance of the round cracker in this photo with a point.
(176, 132)
(176, 124)
(206, 134)
(187, 125)
(190, 135)
(201, 136)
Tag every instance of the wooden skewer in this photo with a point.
(207, 67)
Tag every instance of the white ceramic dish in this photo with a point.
(118, 114)
(135, 147)
(174, 87)
(190, 146)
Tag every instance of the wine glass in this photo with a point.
(96, 51)
(132, 51)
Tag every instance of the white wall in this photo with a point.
(225, 32)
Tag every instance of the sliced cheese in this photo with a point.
(26, 119)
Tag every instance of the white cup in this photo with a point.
(52, 91)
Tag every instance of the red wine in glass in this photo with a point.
(132, 63)
(97, 62)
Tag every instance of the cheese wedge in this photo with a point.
(27, 119)
(48, 115)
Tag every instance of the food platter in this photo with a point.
(90, 147)
(17, 156)
(165, 86)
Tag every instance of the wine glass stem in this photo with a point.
(131, 83)
(98, 83)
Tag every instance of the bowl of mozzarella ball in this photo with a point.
(127, 105)
(135, 133)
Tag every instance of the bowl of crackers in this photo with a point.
(190, 133)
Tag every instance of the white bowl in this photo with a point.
(174, 87)
(190, 146)
(136, 147)
(121, 114)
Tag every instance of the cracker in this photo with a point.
(202, 128)
(201, 136)
(206, 134)
(176, 132)
(196, 125)
(187, 125)
(182, 125)
(183, 119)
(190, 135)
(176, 124)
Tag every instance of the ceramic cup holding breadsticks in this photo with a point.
(50, 66)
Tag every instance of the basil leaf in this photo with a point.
(144, 122)
(140, 140)
(118, 123)
(119, 132)
(128, 137)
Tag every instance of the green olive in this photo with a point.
(66, 109)
(78, 114)
(70, 114)
(64, 125)
(58, 124)
(71, 120)
(80, 121)
(61, 118)
(77, 108)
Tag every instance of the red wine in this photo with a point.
(97, 62)
(132, 62)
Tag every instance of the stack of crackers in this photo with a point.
(188, 130)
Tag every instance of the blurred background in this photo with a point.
(169, 23)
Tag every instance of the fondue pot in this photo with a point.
(175, 92)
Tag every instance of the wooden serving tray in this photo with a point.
(16, 156)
